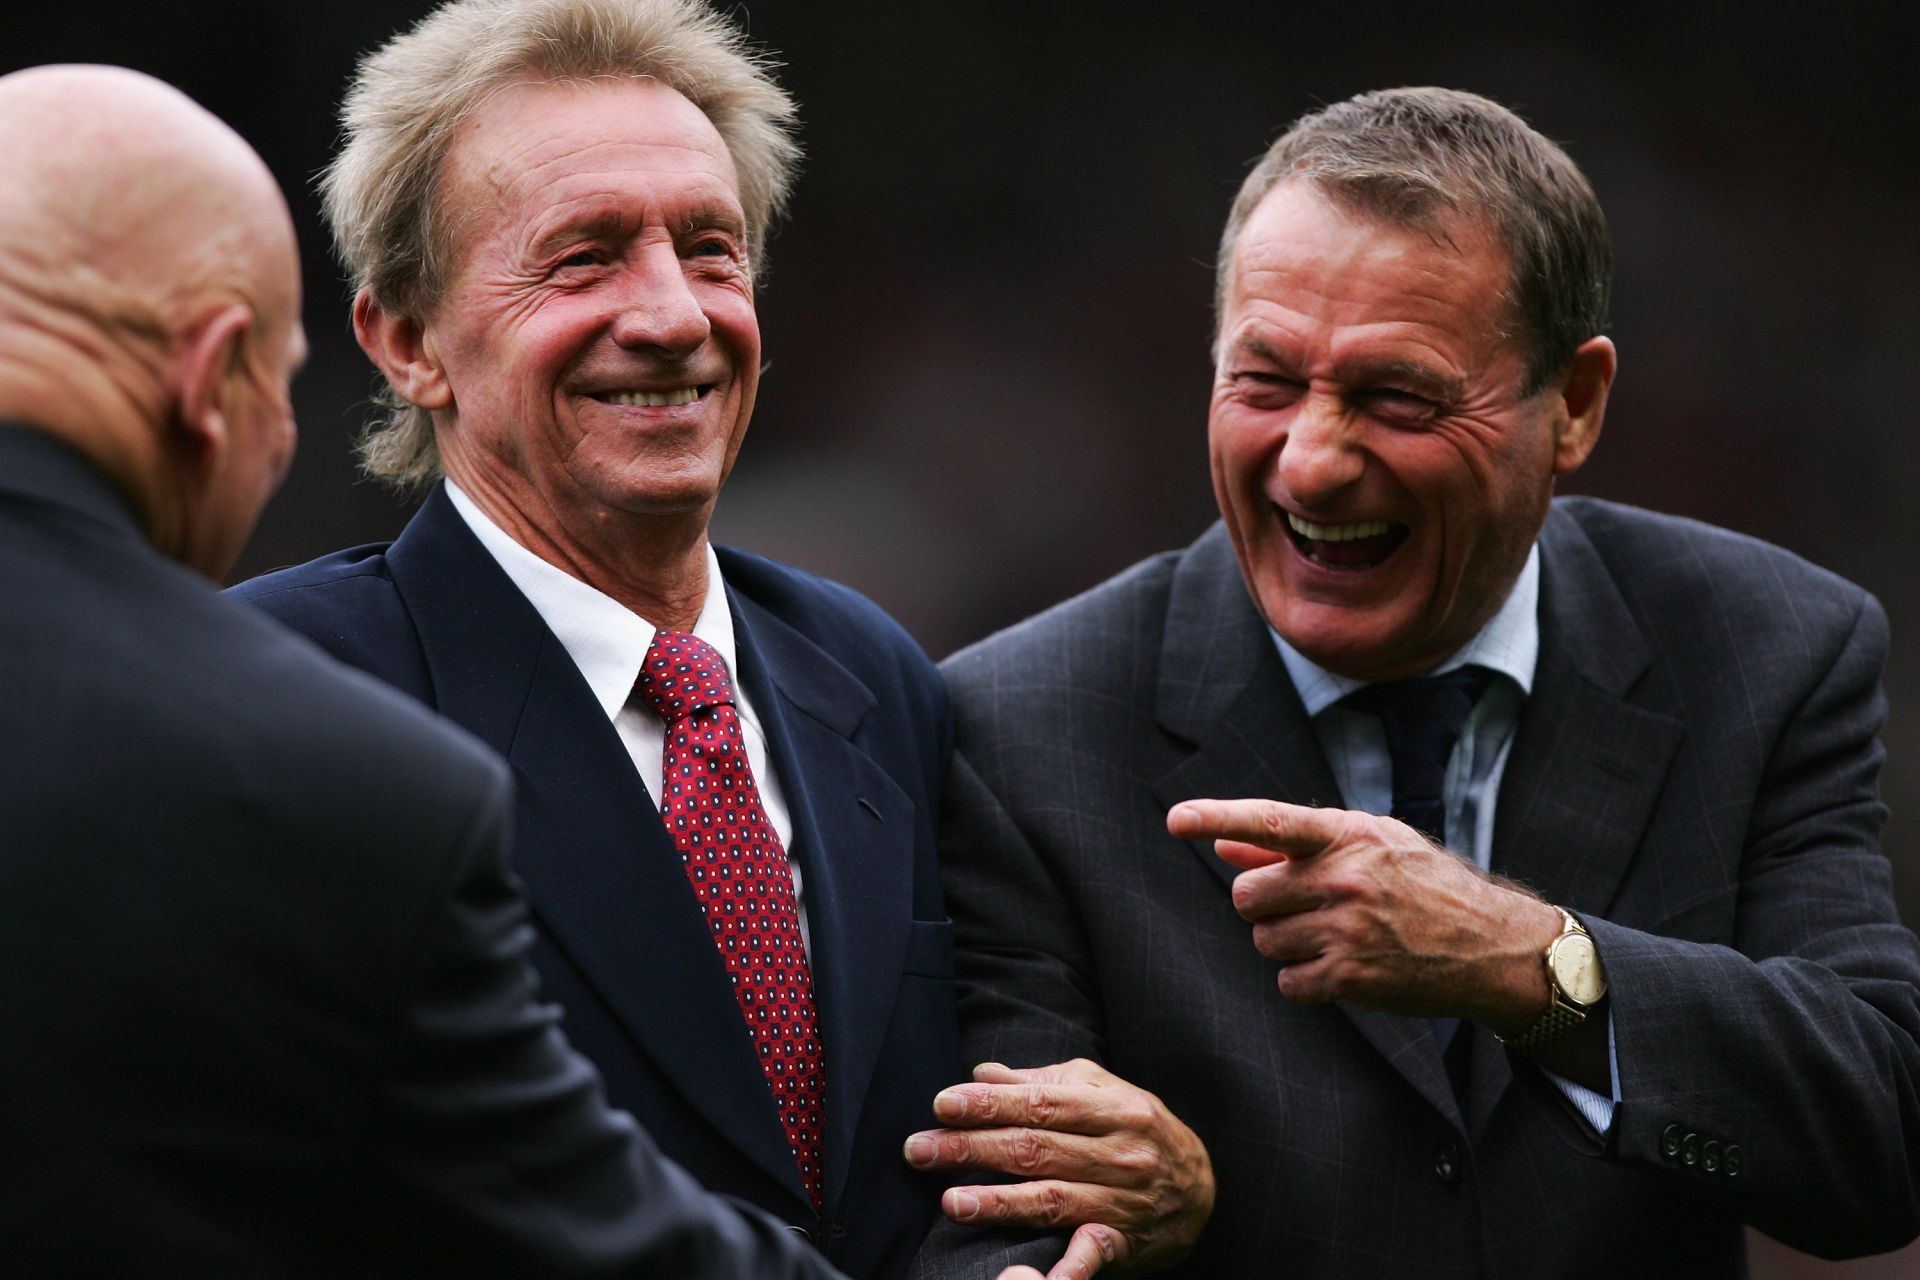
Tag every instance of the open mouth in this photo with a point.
(655, 399)
(1360, 545)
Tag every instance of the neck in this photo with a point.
(86, 407)
(654, 565)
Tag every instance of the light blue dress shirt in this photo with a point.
(1356, 749)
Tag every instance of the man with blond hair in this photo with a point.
(555, 213)
(1492, 881)
(265, 1004)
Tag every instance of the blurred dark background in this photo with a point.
(987, 319)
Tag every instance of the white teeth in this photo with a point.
(1337, 532)
(654, 399)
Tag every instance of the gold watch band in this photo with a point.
(1563, 1014)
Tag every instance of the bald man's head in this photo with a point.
(149, 298)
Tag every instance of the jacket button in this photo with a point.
(1446, 1161)
(1710, 1157)
(1690, 1150)
(1732, 1159)
(1670, 1141)
(800, 1231)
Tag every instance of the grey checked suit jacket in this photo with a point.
(1695, 774)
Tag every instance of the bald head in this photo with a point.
(149, 296)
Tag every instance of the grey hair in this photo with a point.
(1429, 159)
(408, 99)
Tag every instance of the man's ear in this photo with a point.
(1583, 394)
(210, 357)
(398, 347)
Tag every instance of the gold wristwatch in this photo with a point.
(1576, 981)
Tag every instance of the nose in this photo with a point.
(661, 311)
(1321, 454)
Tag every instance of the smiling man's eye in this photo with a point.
(1395, 405)
(583, 258)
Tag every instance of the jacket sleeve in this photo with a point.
(1778, 1074)
(1025, 989)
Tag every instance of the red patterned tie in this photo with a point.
(739, 872)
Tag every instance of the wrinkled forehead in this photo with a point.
(534, 143)
(1447, 267)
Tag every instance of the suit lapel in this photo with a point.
(602, 873)
(1223, 688)
(1586, 766)
(853, 838)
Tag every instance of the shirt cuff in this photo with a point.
(1596, 1108)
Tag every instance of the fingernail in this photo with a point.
(963, 1206)
(920, 1150)
(950, 1104)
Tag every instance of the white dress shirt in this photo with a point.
(1356, 749)
(608, 642)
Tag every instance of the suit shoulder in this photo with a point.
(855, 630)
(1675, 569)
(368, 561)
(1675, 553)
(1077, 636)
(348, 604)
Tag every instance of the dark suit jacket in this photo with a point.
(1695, 773)
(857, 722)
(265, 1007)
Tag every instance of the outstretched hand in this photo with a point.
(1102, 1156)
(1367, 910)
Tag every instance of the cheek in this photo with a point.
(1242, 446)
(737, 326)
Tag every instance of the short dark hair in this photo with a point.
(1431, 158)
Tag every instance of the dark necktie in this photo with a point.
(1423, 718)
(711, 807)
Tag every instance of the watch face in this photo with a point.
(1576, 969)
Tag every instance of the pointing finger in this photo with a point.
(1267, 824)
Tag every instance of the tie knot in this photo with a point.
(682, 674)
(1426, 706)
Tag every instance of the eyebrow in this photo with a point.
(1259, 349)
(1406, 373)
(594, 226)
(713, 217)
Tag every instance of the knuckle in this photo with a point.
(1137, 1158)
(1246, 895)
(1027, 1153)
(1050, 1205)
(1136, 1111)
(1108, 1242)
(1041, 1108)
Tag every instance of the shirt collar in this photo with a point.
(1509, 644)
(606, 640)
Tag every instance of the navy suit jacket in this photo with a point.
(857, 721)
(1695, 774)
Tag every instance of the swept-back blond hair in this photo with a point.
(409, 97)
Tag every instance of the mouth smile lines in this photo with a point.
(1359, 545)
